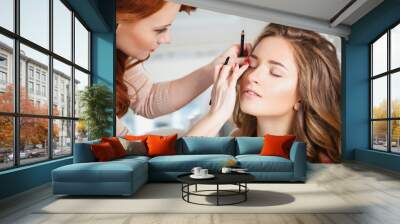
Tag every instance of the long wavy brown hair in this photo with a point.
(317, 122)
(132, 11)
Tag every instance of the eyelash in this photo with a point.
(275, 75)
(161, 31)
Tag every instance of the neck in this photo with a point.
(275, 125)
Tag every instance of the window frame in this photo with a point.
(388, 74)
(16, 115)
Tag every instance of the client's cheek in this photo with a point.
(278, 98)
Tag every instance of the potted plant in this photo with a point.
(96, 104)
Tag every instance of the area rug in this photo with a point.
(167, 198)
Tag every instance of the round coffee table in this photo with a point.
(238, 179)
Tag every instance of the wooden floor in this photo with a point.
(378, 188)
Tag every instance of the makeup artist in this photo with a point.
(142, 26)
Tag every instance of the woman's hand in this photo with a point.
(233, 53)
(223, 99)
(223, 95)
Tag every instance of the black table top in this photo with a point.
(220, 178)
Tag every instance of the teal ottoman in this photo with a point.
(118, 177)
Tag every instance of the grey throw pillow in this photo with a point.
(136, 147)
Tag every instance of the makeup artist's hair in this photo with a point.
(317, 122)
(132, 11)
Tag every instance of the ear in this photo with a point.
(297, 105)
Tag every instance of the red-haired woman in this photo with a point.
(142, 26)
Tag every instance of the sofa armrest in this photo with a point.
(83, 152)
(299, 158)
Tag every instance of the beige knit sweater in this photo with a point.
(152, 100)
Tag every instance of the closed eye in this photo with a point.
(161, 30)
(276, 72)
(276, 75)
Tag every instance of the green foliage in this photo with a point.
(380, 127)
(96, 103)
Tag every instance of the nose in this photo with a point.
(253, 76)
(165, 38)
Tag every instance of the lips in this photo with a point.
(250, 92)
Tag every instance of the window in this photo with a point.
(30, 87)
(6, 88)
(3, 61)
(7, 14)
(81, 45)
(43, 90)
(37, 74)
(3, 78)
(37, 89)
(62, 30)
(6, 142)
(81, 81)
(30, 72)
(62, 75)
(39, 81)
(62, 140)
(3, 72)
(385, 94)
(34, 24)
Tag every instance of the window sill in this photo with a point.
(25, 167)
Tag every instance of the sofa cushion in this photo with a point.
(185, 163)
(249, 145)
(277, 145)
(111, 171)
(130, 158)
(159, 145)
(257, 163)
(83, 152)
(103, 151)
(134, 147)
(206, 145)
(116, 145)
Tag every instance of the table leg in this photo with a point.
(196, 188)
(188, 189)
(245, 193)
(217, 194)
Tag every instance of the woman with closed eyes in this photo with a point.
(292, 86)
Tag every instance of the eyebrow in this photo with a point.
(277, 63)
(164, 26)
(270, 61)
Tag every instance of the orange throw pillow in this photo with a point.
(161, 145)
(277, 145)
(116, 145)
(103, 151)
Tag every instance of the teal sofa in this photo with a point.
(125, 176)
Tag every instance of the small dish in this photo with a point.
(208, 176)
